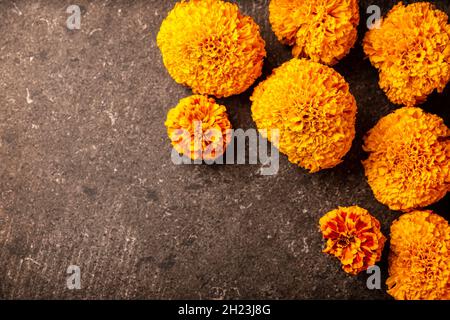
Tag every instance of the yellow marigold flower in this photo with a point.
(311, 106)
(419, 261)
(211, 47)
(353, 236)
(199, 128)
(323, 30)
(409, 159)
(411, 49)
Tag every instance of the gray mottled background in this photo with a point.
(86, 176)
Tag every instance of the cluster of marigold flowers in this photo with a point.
(211, 47)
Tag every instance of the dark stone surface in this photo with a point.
(86, 176)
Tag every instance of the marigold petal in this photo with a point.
(323, 30)
(409, 159)
(199, 128)
(411, 50)
(311, 106)
(419, 261)
(211, 47)
(358, 246)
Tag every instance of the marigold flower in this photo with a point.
(409, 159)
(199, 128)
(353, 236)
(311, 106)
(411, 49)
(211, 47)
(419, 261)
(322, 30)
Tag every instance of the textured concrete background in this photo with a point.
(86, 176)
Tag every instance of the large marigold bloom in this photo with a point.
(353, 236)
(211, 47)
(323, 30)
(311, 106)
(411, 49)
(419, 261)
(199, 128)
(409, 159)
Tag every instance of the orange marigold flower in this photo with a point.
(411, 49)
(409, 159)
(311, 106)
(323, 30)
(353, 236)
(199, 128)
(419, 261)
(211, 47)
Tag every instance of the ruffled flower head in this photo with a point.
(419, 261)
(354, 237)
(312, 108)
(409, 159)
(411, 50)
(211, 47)
(199, 128)
(323, 30)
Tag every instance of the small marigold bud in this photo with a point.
(409, 159)
(324, 31)
(353, 236)
(419, 261)
(311, 106)
(411, 50)
(211, 47)
(199, 128)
